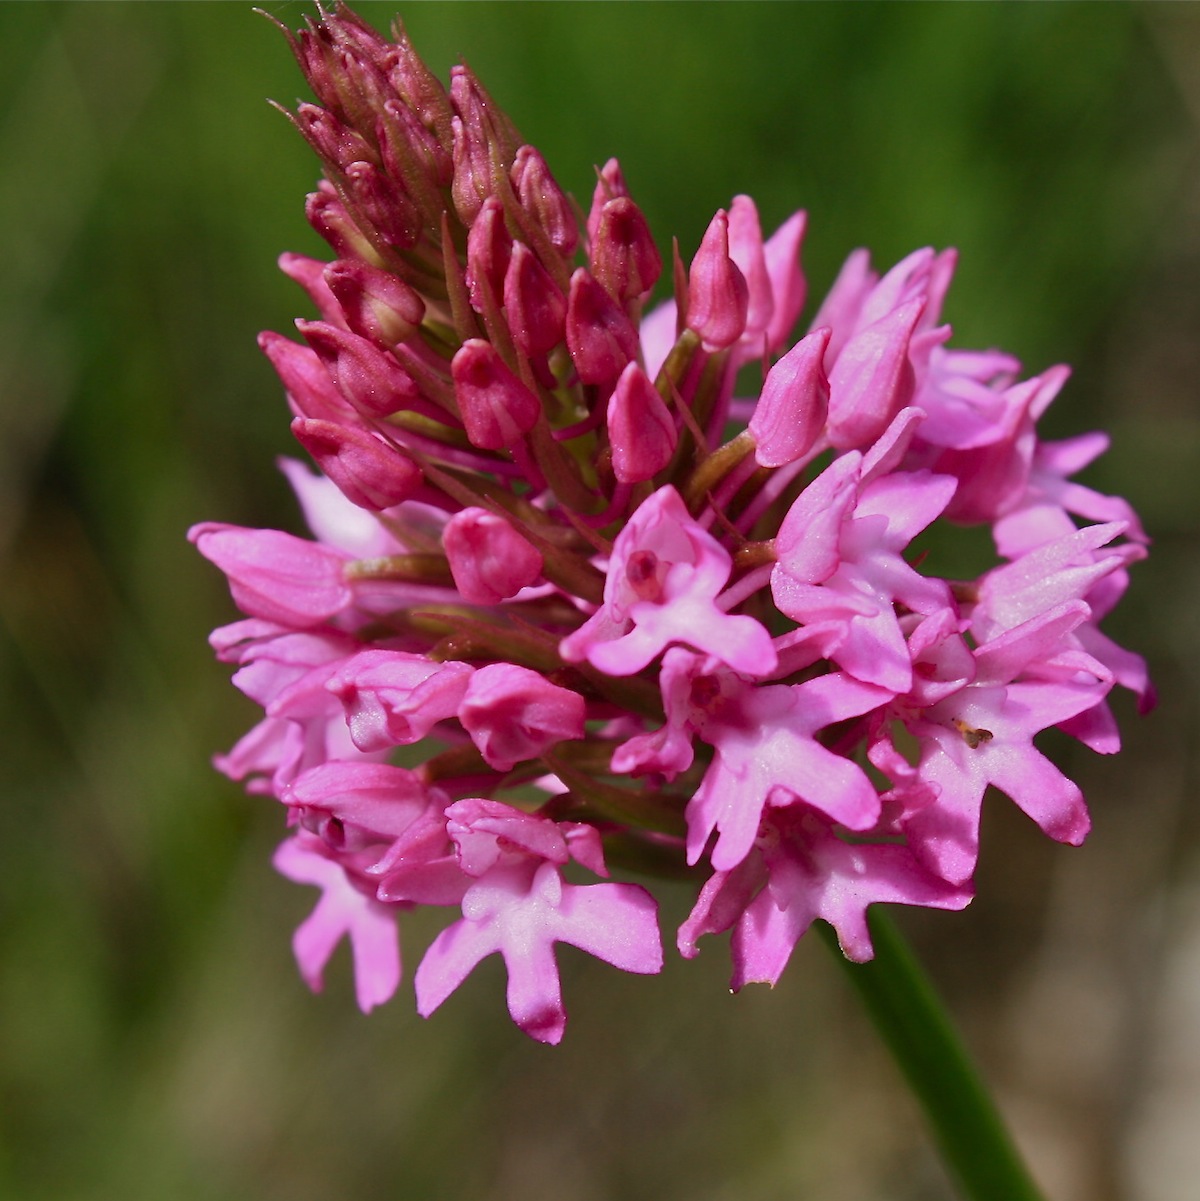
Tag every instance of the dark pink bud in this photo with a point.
(497, 408)
(872, 379)
(488, 250)
(624, 257)
(370, 472)
(383, 204)
(314, 50)
(344, 62)
(791, 410)
(416, 145)
(718, 297)
(369, 378)
(513, 713)
(544, 200)
(610, 184)
(600, 337)
(484, 141)
(472, 171)
(533, 304)
(309, 274)
(376, 304)
(310, 389)
(334, 142)
(490, 561)
(419, 87)
(328, 216)
(274, 575)
(746, 250)
(641, 430)
(470, 100)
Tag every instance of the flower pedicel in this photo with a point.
(632, 619)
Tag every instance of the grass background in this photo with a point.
(154, 1039)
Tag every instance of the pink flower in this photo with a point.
(661, 587)
(799, 870)
(520, 906)
(591, 598)
(982, 734)
(840, 562)
(765, 749)
(344, 911)
(393, 698)
(286, 672)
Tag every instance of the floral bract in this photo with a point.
(628, 617)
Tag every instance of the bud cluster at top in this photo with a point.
(619, 613)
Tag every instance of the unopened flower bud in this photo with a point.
(718, 297)
(309, 274)
(512, 714)
(344, 61)
(484, 141)
(328, 216)
(310, 389)
(274, 575)
(369, 378)
(405, 142)
(489, 248)
(641, 429)
(533, 304)
(600, 337)
(419, 87)
(384, 205)
(497, 408)
(624, 257)
(610, 184)
(490, 561)
(336, 143)
(375, 304)
(746, 250)
(872, 379)
(544, 200)
(315, 52)
(791, 410)
(472, 171)
(370, 473)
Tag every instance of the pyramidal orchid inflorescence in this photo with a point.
(625, 617)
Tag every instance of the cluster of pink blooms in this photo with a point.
(621, 614)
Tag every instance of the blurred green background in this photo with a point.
(155, 1041)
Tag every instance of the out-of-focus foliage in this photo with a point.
(154, 1039)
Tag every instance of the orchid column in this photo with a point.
(623, 617)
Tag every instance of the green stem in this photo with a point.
(975, 1144)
